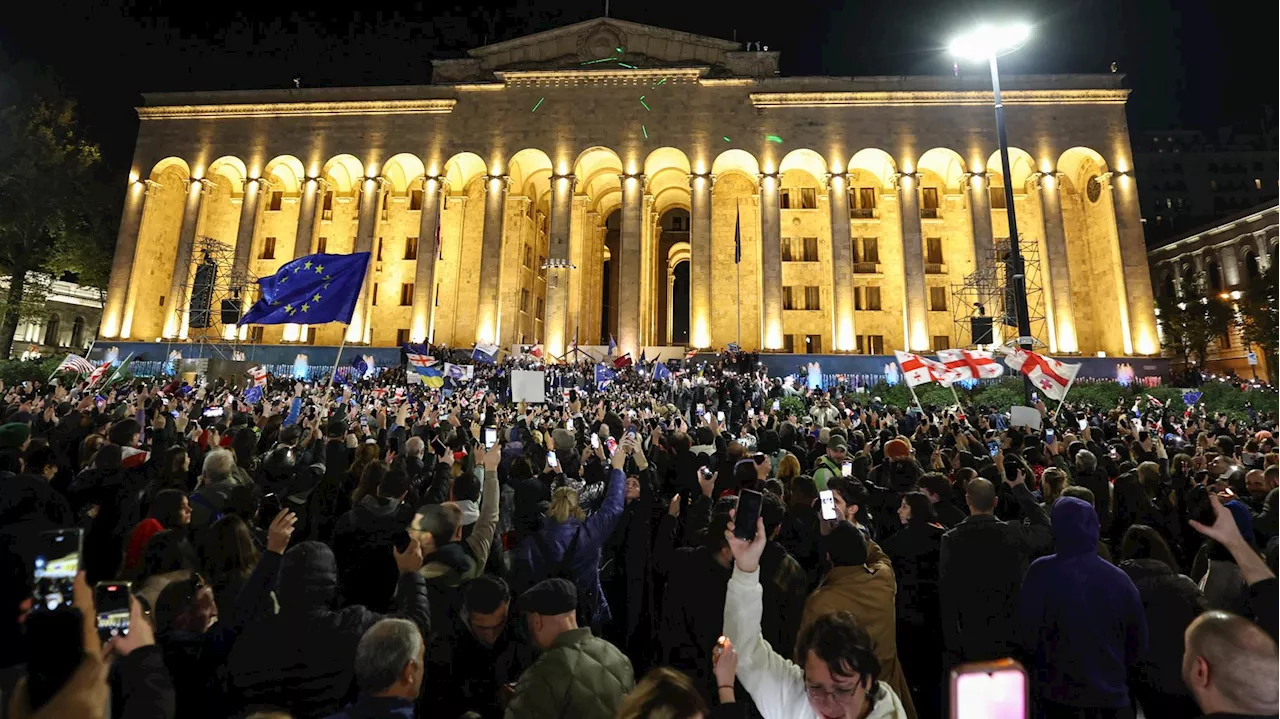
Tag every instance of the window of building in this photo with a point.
(51, 330)
(997, 198)
(406, 294)
(276, 202)
(938, 299)
(933, 250)
(813, 344)
(929, 202)
(798, 198)
(411, 248)
(810, 249)
(386, 205)
(867, 250)
(256, 333)
(541, 309)
(524, 300)
(268, 249)
(808, 198)
(787, 255)
(812, 297)
(1224, 341)
(789, 343)
(788, 298)
(322, 245)
(862, 203)
(311, 335)
(402, 336)
(941, 342)
(373, 299)
(326, 207)
(379, 253)
(77, 331)
(415, 199)
(528, 257)
(870, 344)
(437, 299)
(866, 298)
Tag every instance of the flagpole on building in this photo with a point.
(337, 360)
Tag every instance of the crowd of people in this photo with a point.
(387, 549)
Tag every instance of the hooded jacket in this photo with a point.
(303, 659)
(362, 542)
(1081, 618)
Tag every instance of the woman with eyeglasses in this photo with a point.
(838, 674)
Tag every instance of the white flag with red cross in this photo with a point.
(971, 364)
(1046, 373)
(917, 370)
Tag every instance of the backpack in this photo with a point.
(587, 600)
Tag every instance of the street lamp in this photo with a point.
(989, 42)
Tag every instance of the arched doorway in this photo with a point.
(680, 303)
(77, 332)
(51, 330)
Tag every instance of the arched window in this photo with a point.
(1169, 290)
(51, 330)
(77, 332)
(1215, 277)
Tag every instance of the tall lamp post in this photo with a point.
(989, 42)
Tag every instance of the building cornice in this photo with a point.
(620, 76)
(945, 97)
(299, 109)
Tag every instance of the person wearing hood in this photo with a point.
(1081, 621)
(362, 538)
(303, 658)
(28, 506)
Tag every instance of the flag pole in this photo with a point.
(952, 387)
(338, 360)
(1063, 401)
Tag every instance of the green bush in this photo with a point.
(14, 372)
(1103, 395)
(792, 405)
(1002, 394)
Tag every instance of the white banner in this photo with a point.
(528, 386)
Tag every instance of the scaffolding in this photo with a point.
(987, 292)
(213, 283)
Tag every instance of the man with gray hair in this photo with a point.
(1095, 479)
(1230, 666)
(389, 671)
(216, 484)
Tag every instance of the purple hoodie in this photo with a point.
(1081, 617)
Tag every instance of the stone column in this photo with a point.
(980, 220)
(916, 307)
(246, 231)
(113, 313)
(844, 332)
(422, 315)
(1263, 252)
(495, 202)
(1229, 260)
(670, 303)
(371, 189)
(629, 281)
(700, 259)
(175, 311)
(312, 189)
(559, 268)
(1178, 279)
(770, 261)
(1057, 264)
(1141, 320)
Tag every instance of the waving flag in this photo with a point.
(613, 346)
(661, 371)
(485, 353)
(313, 289)
(971, 364)
(641, 356)
(76, 363)
(432, 377)
(99, 373)
(259, 374)
(458, 372)
(917, 370)
(253, 395)
(604, 376)
(1049, 375)
(622, 362)
(359, 366)
(536, 351)
(418, 356)
(737, 237)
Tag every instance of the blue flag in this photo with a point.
(604, 376)
(641, 355)
(359, 366)
(253, 395)
(487, 354)
(661, 371)
(737, 238)
(310, 290)
(613, 346)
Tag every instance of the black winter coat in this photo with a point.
(1170, 601)
(362, 544)
(914, 551)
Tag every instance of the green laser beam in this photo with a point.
(603, 59)
(619, 50)
(646, 132)
(646, 106)
(726, 139)
(663, 81)
(773, 138)
(629, 67)
(535, 107)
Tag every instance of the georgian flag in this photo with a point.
(971, 364)
(1047, 374)
(259, 374)
(917, 370)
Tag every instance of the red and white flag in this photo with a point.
(259, 374)
(971, 364)
(917, 370)
(536, 351)
(98, 373)
(1046, 373)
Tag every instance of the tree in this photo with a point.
(1189, 326)
(53, 214)
(1258, 318)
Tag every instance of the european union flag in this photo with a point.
(604, 376)
(661, 371)
(310, 290)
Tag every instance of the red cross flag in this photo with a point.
(917, 370)
(971, 364)
(259, 374)
(1049, 375)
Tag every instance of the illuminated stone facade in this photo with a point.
(568, 175)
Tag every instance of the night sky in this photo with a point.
(1191, 63)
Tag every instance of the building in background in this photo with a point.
(1190, 179)
(550, 188)
(1221, 259)
(66, 321)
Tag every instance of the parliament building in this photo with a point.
(667, 189)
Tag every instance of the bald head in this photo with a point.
(981, 494)
(1230, 665)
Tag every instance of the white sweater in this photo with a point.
(775, 684)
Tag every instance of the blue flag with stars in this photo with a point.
(310, 290)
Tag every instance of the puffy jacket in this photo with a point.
(1170, 602)
(579, 676)
(529, 565)
(303, 659)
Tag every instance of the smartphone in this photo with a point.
(989, 690)
(437, 447)
(744, 521)
(612, 444)
(846, 469)
(751, 412)
(595, 441)
(56, 563)
(701, 409)
(1048, 436)
(551, 459)
(720, 417)
(776, 405)
(214, 411)
(993, 448)
(490, 437)
(828, 504)
(111, 599)
(1084, 424)
(393, 444)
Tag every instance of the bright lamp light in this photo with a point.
(986, 40)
